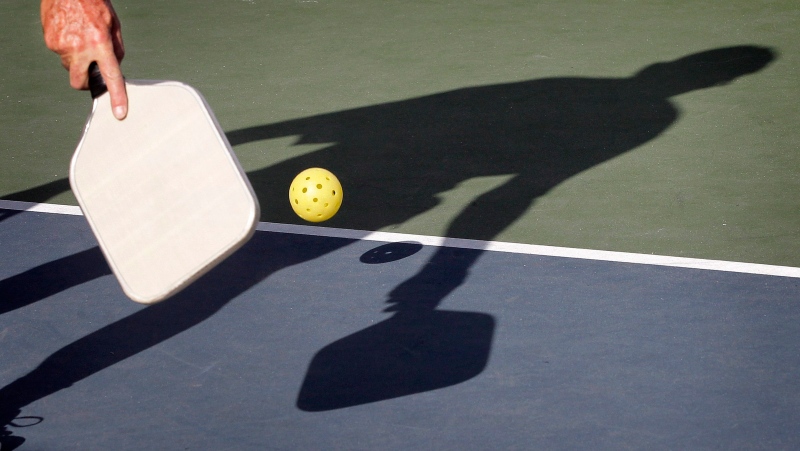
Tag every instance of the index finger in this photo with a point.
(115, 82)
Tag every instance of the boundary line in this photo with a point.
(41, 208)
(496, 246)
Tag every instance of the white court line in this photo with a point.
(41, 208)
(497, 246)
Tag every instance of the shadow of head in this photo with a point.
(706, 69)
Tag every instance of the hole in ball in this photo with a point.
(305, 190)
(319, 185)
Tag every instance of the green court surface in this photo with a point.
(513, 121)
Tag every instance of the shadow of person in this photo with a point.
(394, 160)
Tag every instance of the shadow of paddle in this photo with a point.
(411, 352)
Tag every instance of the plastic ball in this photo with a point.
(315, 194)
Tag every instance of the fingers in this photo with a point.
(78, 72)
(116, 35)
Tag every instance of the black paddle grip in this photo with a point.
(97, 86)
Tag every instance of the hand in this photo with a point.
(83, 31)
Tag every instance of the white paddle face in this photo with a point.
(162, 190)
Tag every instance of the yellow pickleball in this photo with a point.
(315, 194)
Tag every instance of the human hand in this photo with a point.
(83, 31)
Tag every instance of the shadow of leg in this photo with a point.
(128, 336)
(51, 278)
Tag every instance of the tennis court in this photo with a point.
(566, 225)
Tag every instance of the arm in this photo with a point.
(82, 31)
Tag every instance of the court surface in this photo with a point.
(582, 218)
(308, 342)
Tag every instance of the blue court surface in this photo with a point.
(320, 342)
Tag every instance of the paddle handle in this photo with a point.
(97, 86)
